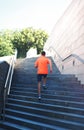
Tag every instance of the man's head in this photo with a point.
(43, 53)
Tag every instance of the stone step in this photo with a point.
(25, 124)
(44, 115)
(50, 90)
(47, 103)
(49, 97)
(58, 117)
(49, 93)
(5, 125)
(59, 108)
(50, 85)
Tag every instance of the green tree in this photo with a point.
(23, 40)
(17, 42)
(40, 37)
(6, 47)
(26, 38)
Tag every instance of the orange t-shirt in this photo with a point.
(42, 65)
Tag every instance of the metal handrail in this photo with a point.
(71, 55)
(8, 82)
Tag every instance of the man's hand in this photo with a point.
(35, 66)
(50, 71)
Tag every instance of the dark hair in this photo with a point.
(43, 53)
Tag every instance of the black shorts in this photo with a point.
(40, 76)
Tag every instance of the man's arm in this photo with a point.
(35, 65)
(50, 63)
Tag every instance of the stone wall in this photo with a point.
(4, 66)
(66, 42)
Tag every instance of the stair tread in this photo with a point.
(12, 126)
(34, 122)
(49, 92)
(63, 97)
(77, 124)
(48, 104)
(47, 117)
(57, 107)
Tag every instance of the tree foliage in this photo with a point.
(40, 38)
(23, 40)
(6, 47)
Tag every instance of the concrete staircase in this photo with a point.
(61, 106)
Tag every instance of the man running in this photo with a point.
(42, 70)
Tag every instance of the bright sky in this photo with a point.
(39, 14)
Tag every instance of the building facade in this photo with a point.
(66, 42)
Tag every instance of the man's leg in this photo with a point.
(44, 80)
(39, 85)
(39, 88)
